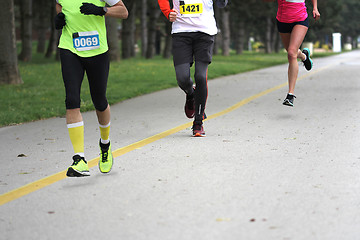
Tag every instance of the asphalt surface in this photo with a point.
(264, 171)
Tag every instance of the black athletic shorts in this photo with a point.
(97, 71)
(189, 45)
(288, 27)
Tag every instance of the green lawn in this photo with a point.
(42, 94)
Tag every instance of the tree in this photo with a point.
(128, 30)
(218, 38)
(144, 30)
(113, 38)
(265, 24)
(225, 29)
(350, 21)
(329, 22)
(268, 34)
(238, 29)
(42, 23)
(26, 30)
(168, 39)
(9, 72)
(154, 16)
(54, 34)
(241, 15)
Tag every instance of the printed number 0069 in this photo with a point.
(86, 42)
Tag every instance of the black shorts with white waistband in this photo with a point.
(288, 27)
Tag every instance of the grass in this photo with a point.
(42, 95)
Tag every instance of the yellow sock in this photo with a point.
(104, 133)
(76, 133)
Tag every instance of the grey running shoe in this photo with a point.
(289, 100)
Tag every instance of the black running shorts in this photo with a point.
(97, 71)
(288, 27)
(189, 45)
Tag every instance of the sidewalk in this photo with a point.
(264, 171)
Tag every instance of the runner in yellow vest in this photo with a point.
(83, 48)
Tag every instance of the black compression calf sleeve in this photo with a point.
(183, 77)
(201, 91)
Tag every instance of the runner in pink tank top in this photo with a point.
(292, 23)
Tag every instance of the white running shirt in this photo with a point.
(195, 16)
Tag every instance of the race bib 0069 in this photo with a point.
(84, 41)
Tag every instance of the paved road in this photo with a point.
(264, 171)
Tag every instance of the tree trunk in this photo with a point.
(154, 15)
(57, 37)
(53, 32)
(225, 23)
(218, 38)
(26, 30)
(128, 31)
(268, 34)
(9, 72)
(144, 30)
(42, 23)
(275, 38)
(113, 38)
(354, 43)
(240, 37)
(168, 40)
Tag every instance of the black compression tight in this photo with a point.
(97, 71)
(186, 84)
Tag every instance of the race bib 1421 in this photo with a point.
(191, 9)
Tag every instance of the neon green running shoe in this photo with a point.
(106, 158)
(79, 168)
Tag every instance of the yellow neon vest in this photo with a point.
(84, 35)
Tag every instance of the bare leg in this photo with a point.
(104, 116)
(292, 42)
(73, 116)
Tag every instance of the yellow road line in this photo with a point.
(34, 186)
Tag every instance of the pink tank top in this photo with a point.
(290, 11)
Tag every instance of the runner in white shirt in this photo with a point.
(193, 31)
